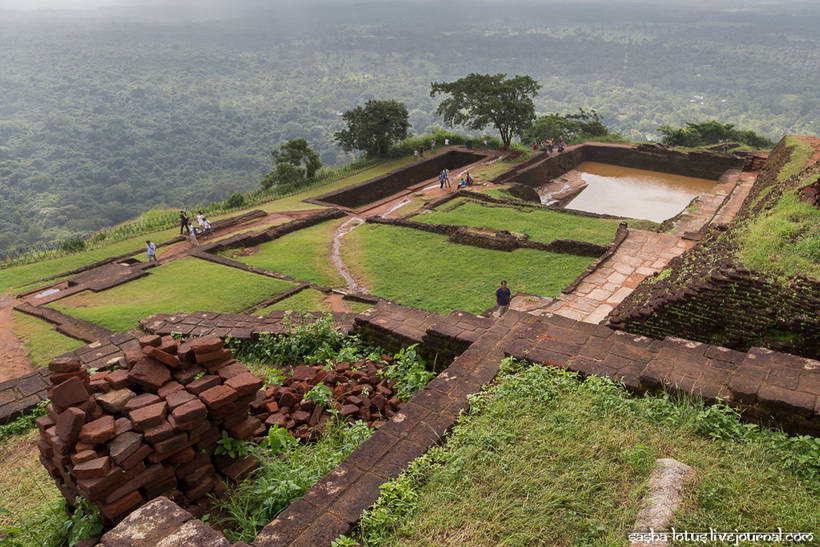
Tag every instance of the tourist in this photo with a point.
(550, 145)
(560, 143)
(485, 144)
(502, 298)
(469, 179)
(534, 146)
(207, 231)
(462, 183)
(183, 221)
(199, 217)
(447, 183)
(421, 150)
(415, 153)
(192, 235)
(152, 251)
(432, 145)
(441, 180)
(446, 142)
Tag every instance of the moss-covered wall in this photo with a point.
(708, 295)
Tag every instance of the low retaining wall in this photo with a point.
(384, 186)
(501, 240)
(540, 170)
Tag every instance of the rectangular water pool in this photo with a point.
(634, 193)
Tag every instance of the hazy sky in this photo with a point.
(29, 5)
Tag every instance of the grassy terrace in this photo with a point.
(184, 285)
(303, 255)
(785, 240)
(42, 342)
(543, 459)
(541, 225)
(424, 270)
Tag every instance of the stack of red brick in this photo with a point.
(358, 391)
(150, 427)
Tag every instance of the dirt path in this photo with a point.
(13, 360)
(335, 252)
(336, 302)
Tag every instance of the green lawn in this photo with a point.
(303, 255)
(424, 270)
(42, 342)
(543, 459)
(184, 285)
(541, 225)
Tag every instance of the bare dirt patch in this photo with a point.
(13, 360)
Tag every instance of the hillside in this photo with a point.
(108, 113)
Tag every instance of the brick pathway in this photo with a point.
(640, 255)
(733, 204)
(694, 221)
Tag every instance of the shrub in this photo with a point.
(235, 201)
(72, 245)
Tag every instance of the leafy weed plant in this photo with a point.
(286, 470)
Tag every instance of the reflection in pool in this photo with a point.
(634, 193)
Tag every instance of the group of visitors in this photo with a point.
(548, 145)
(444, 180)
(202, 227)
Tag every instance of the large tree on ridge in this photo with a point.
(295, 164)
(478, 100)
(374, 127)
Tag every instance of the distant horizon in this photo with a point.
(71, 5)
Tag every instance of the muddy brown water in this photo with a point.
(634, 193)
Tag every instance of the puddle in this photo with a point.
(399, 205)
(47, 292)
(634, 193)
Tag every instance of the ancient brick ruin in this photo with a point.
(148, 425)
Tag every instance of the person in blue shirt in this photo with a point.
(151, 248)
(502, 298)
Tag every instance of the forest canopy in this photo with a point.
(108, 113)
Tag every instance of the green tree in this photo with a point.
(478, 100)
(583, 125)
(374, 127)
(296, 164)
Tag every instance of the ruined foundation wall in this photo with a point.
(707, 294)
(379, 188)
